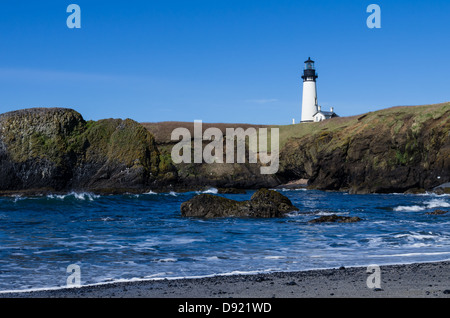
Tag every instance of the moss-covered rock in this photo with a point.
(56, 149)
(263, 204)
(391, 150)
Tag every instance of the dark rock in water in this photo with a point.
(336, 218)
(231, 191)
(437, 212)
(209, 206)
(270, 203)
(263, 204)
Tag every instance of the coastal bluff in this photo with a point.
(397, 149)
(55, 150)
(45, 150)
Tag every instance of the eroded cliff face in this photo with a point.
(392, 150)
(55, 149)
(220, 175)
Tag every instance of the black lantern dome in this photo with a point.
(309, 73)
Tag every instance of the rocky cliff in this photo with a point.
(392, 150)
(220, 175)
(56, 150)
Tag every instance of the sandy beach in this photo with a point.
(424, 280)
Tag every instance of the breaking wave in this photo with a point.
(432, 204)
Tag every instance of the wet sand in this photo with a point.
(423, 280)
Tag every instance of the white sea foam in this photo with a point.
(432, 194)
(287, 189)
(153, 277)
(438, 203)
(18, 198)
(432, 204)
(210, 190)
(185, 240)
(416, 236)
(77, 195)
(412, 208)
(325, 213)
(275, 257)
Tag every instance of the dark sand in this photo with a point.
(413, 280)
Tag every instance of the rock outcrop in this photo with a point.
(231, 191)
(263, 204)
(437, 212)
(219, 175)
(56, 150)
(390, 150)
(335, 219)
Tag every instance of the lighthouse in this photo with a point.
(309, 99)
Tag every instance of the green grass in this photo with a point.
(395, 117)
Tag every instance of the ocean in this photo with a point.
(140, 237)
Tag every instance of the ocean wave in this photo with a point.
(412, 254)
(185, 240)
(327, 213)
(412, 208)
(104, 219)
(275, 257)
(432, 204)
(432, 194)
(18, 198)
(74, 195)
(166, 260)
(210, 190)
(416, 236)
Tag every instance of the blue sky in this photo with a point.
(221, 60)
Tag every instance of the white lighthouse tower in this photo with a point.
(309, 99)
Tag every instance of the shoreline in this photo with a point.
(39, 193)
(416, 280)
